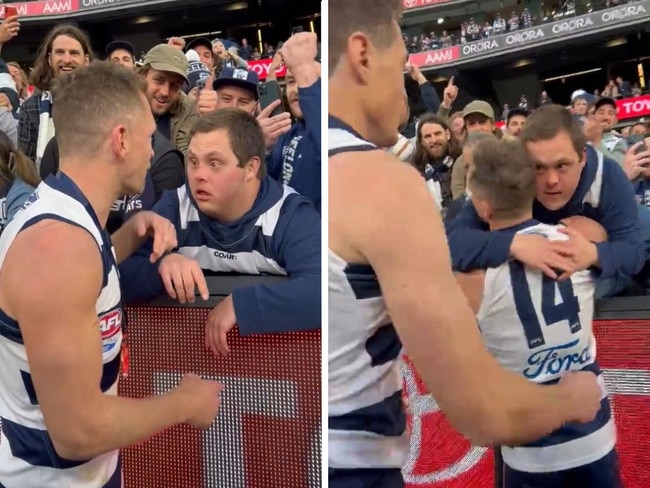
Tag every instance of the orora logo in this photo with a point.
(110, 325)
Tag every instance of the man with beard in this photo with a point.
(65, 49)
(295, 158)
(165, 72)
(432, 158)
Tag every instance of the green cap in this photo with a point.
(479, 107)
(166, 58)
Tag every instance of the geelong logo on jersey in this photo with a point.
(110, 325)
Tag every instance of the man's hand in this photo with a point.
(176, 42)
(150, 224)
(207, 99)
(181, 277)
(9, 29)
(450, 94)
(636, 164)
(220, 320)
(537, 252)
(589, 228)
(582, 253)
(276, 64)
(415, 73)
(583, 393)
(593, 130)
(299, 50)
(202, 398)
(5, 103)
(273, 127)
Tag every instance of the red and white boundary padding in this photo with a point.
(442, 458)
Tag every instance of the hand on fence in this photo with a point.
(182, 276)
(220, 320)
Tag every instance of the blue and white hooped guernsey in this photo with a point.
(367, 422)
(27, 455)
(541, 328)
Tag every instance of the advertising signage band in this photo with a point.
(96, 4)
(42, 8)
(412, 4)
(553, 31)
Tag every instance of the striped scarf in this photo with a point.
(45, 127)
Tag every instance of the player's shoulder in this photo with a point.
(550, 231)
(373, 171)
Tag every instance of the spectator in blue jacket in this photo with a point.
(295, 159)
(573, 179)
(18, 179)
(231, 217)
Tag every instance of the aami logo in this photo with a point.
(110, 326)
(225, 255)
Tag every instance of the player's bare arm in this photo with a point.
(399, 232)
(60, 265)
(128, 238)
(473, 285)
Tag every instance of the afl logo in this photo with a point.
(110, 326)
(439, 456)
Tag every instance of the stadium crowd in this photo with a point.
(193, 166)
(493, 24)
(437, 136)
(539, 219)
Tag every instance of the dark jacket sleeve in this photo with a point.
(624, 253)
(139, 278)
(293, 305)
(430, 97)
(472, 245)
(168, 173)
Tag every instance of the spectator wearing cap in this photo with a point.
(611, 144)
(479, 117)
(165, 72)
(580, 101)
(515, 121)
(122, 53)
(237, 88)
(203, 48)
(295, 158)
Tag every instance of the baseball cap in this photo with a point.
(196, 72)
(166, 58)
(605, 101)
(199, 41)
(115, 45)
(248, 80)
(479, 107)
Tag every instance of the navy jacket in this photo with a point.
(604, 194)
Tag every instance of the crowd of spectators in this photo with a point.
(494, 24)
(438, 139)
